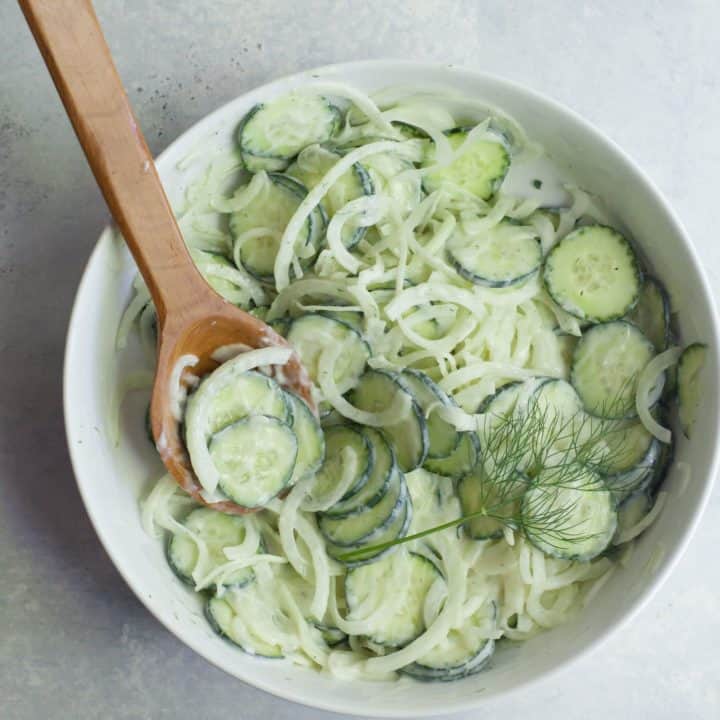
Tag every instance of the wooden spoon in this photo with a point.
(192, 318)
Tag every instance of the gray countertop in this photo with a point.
(74, 641)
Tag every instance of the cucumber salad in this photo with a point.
(497, 380)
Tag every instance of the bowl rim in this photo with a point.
(674, 554)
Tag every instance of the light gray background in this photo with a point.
(74, 641)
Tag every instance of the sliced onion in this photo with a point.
(646, 394)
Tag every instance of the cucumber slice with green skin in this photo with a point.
(148, 426)
(624, 484)
(310, 437)
(378, 482)
(606, 364)
(500, 499)
(593, 273)
(353, 318)
(225, 397)
(443, 438)
(409, 132)
(663, 464)
(313, 164)
(433, 321)
(258, 227)
(505, 399)
(480, 170)
(260, 312)
(622, 447)
(557, 407)
(505, 255)
(465, 651)
(397, 529)
(361, 528)
(273, 133)
(218, 531)
(331, 635)
(570, 515)
(652, 313)
(375, 392)
(386, 171)
(313, 333)
(337, 439)
(255, 458)
(281, 325)
(237, 627)
(404, 572)
(503, 413)
(215, 268)
(689, 371)
(460, 461)
(632, 510)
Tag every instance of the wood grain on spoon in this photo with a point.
(192, 318)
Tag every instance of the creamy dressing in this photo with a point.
(488, 337)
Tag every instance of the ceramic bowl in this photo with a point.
(113, 476)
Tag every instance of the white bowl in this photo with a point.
(113, 478)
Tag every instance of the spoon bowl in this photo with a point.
(212, 325)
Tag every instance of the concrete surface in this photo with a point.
(74, 641)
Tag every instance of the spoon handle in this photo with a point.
(72, 44)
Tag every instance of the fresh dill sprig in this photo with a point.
(534, 446)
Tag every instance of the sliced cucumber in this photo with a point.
(443, 438)
(606, 364)
(433, 321)
(339, 438)
(225, 397)
(217, 531)
(255, 459)
(273, 133)
(397, 529)
(568, 513)
(363, 527)
(460, 461)
(632, 511)
(500, 432)
(377, 391)
(662, 465)
(689, 371)
(367, 586)
(311, 441)
(499, 499)
(506, 254)
(226, 619)
(331, 635)
(313, 334)
(389, 174)
(624, 484)
(652, 313)
(503, 401)
(622, 446)
(378, 482)
(216, 269)
(258, 227)
(479, 170)
(280, 325)
(310, 168)
(557, 407)
(355, 319)
(465, 650)
(593, 273)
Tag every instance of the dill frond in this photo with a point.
(534, 446)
